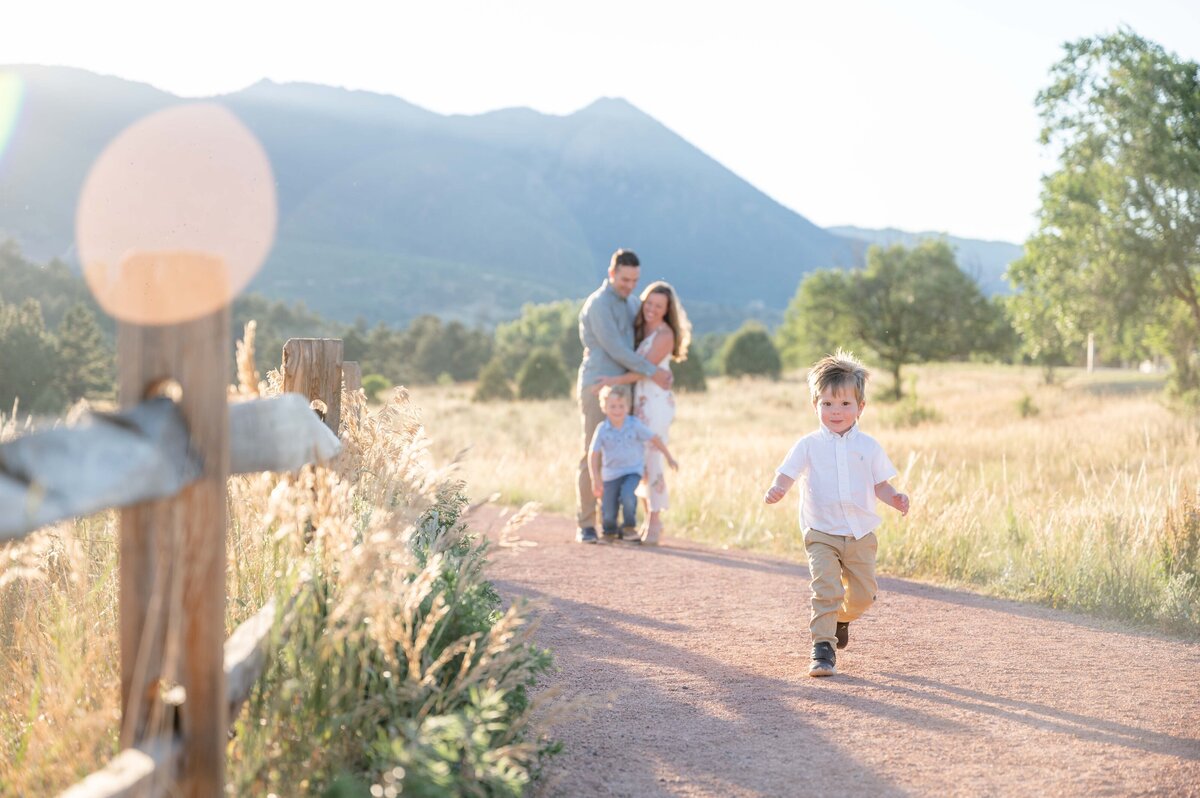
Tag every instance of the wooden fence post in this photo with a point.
(172, 591)
(313, 367)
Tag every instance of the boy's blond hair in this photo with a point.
(620, 390)
(838, 371)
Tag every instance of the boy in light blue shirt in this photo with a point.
(617, 460)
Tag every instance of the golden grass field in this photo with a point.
(400, 657)
(1080, 494)
(1055, 493)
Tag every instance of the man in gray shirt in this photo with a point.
(606, 329)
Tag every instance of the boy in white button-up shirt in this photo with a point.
(845, 471)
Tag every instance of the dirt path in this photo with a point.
(696, 660)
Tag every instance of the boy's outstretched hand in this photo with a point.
(900, 502)
(774, 494)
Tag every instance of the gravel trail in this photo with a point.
(693, 662)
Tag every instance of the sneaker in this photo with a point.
(610, 536)
(586, 535)
(842, 634)
(823, 661)
(630, 534)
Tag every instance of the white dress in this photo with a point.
(655, 408)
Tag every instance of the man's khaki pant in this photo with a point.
(843, 580)
(592, 415)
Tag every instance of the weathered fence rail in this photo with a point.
(164, 461)
(113, 460)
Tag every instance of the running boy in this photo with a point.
(620, 442)
(845, 471)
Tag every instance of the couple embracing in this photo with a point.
(628, 343)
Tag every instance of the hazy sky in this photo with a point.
(917, 115)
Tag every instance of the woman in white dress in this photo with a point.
(662, 333)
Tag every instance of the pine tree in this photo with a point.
(29, 360)
(86, 358)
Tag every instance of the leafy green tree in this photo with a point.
(493, 383)
(552, 325)
(386, 354)
(818, 319)
(706, 349)
(277, 322)
(87, 365)
(750, 352)
(1047, 335)
(373, 385)
(1118, 241)
(354, 341)
(1000, 341)
(689, 375)
(54, 285)
(449, 349)
(907, 306)
(542, 376)
(29, 360)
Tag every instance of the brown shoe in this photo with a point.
(842, 633)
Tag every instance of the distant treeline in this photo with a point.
(56, 346)
(906, 306)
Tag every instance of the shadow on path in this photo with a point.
(692, 715)
(1049, 718)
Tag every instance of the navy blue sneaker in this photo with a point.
(842, 634)
(586, 535)
(823, 661)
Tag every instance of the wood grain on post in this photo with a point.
(172, 592)
(312, 367)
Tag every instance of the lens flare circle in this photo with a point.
(176, 215)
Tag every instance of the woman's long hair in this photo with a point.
(676, 318)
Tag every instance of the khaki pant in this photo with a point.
(843, 580)
(592, 415)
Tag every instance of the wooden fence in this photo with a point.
(164, 460)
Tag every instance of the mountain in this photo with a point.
(387, 210)
(983, 260)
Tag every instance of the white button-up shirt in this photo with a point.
(840, 474)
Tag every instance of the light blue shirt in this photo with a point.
(606, 330)
(622, 451)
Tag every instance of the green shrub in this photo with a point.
(375, 384)
(456, 725)
(689, 375)
(908, 412)
(542, 376)
(493, 383)
(750, 352)
(1025, 406)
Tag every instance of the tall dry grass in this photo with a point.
(1053, 493)
(402, 673)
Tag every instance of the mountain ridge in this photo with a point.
(388, 210)
(986, 260)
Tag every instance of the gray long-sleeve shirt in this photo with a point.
(606, 330)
